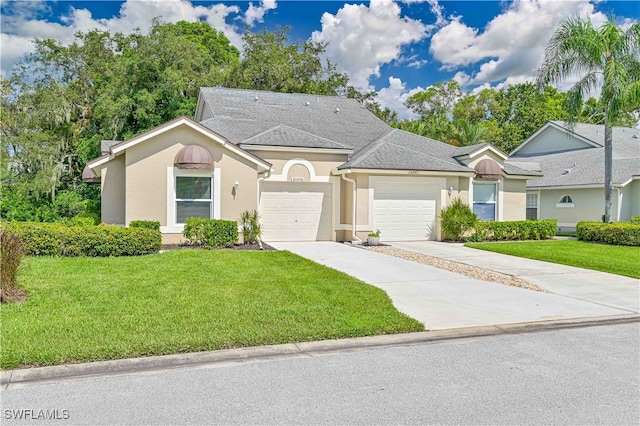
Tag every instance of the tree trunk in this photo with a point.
(608, 169)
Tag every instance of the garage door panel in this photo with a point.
(404, 211)
(296, 211)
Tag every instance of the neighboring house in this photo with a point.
(572, 162)
(315, 168)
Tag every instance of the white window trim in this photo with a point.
(537, 194)
(173, 172)
(498, 217)
(562, 205)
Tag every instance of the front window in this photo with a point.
(532, 205)
(484, 200)
(193, 197)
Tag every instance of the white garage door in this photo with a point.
(404, 211)
(296, 211)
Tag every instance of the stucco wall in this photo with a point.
(514, 201)
(550, 140)
(322, 164)
(588, 205)
(632, 199)
(113, 192)
(146, 176)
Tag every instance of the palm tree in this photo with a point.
(608, 56)
(465, 134)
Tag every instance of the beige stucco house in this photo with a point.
(315, 168)
(572, 164)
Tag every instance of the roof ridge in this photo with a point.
(372, 147)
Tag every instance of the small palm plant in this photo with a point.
(250, 223)
(457, 219)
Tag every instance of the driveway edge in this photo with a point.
(290, 350)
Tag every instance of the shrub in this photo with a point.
(457, 219)
(82, 220)
(211, 233)
(250, 224)
(635, 220)
(53, 239)
(146, 224)
(515, 230)
(619, 233)
(11, 253)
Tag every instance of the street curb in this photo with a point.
(289, 350)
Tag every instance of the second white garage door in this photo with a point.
(296, 211)
(404, 211)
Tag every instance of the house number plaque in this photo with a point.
(414, 172)
(297, 179)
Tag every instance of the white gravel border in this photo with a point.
(459, 268)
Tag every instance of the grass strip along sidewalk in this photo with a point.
(620, 260)
(88, 309)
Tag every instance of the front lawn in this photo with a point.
(87, 309)
(620, 260)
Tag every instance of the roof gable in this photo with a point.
(121, 147)
(555, 137)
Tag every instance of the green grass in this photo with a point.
(620, 260)
(87, 309)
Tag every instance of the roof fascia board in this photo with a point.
(409, 172)
(488, 148)
(296, 149)
(590, 186)
(562, 129)
(120, 148)
(99, 161)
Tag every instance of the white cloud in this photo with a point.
(363, 38)
(462, 78)
(256, 13)
(436, 9)
(512, 44)
(394, 97)
(20, 25)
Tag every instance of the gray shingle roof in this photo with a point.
(239, 116)
(254, 117)
(401, 150)
(282, 135)
(558, 170)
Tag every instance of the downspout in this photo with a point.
(355, 199)
(259, 182)
(619, 206)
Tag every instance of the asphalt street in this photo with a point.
(575, 376)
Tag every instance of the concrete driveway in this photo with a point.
(442, 299)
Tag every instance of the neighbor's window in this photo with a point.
(193, 197)
(565, 201)
(532, 205)
(484, 200)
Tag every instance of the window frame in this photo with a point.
(173, 227)
(529, 206)
(496, 202)
(564, 203)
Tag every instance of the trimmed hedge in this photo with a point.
(619, 233)
(515, 230)
(146, 224)
(54, 239)
(635, 219)
(211, 233)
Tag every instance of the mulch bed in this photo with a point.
(233, 247)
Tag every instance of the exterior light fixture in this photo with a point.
(450, 190)
(234, 190)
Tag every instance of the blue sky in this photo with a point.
(396, 47)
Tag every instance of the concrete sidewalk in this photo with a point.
(605, 289)
(445, 300)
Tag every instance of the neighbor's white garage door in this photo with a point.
(404, 211)
(295, 211)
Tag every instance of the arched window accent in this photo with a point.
(565, 202)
